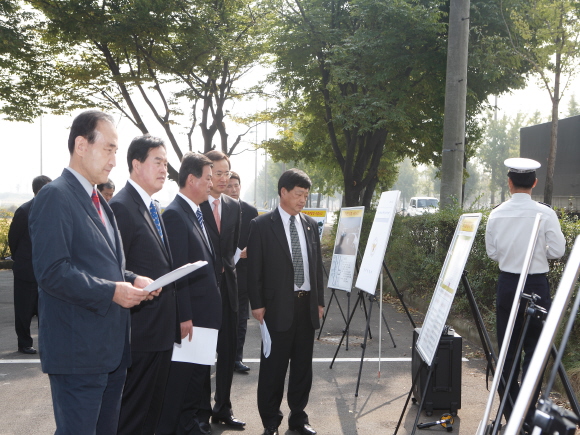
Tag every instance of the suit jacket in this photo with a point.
(81, 331)
(198, 295)
(20, 244)
(249, 212)
(225, 243)
(271, 274)
(154, 322)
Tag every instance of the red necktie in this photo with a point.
(216, 214)
(97, 203)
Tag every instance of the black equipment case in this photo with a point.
(444, 390)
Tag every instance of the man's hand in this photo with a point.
(142, 282)
(128, 296)
(320, 312)
(244, 253)
(259, 314)
(187, 329)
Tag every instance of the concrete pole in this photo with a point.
(455, 95)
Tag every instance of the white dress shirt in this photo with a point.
(286, 222)
(508, 231)
(195, 207)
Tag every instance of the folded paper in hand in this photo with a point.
(174, 275)
(266, 340)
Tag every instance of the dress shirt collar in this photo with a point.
(84, 182)
(192, 204)
(286, 217)
(521, 196)
(144, 195)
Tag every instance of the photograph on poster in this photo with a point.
(345, 251)
(319, 215)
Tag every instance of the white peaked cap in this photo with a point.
(521, 165)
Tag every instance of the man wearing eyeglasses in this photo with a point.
(223, 217)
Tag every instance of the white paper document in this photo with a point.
(200, 350)
(266, 340)
(237, 255)
(174, 275)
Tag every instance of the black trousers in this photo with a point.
(296, 346)
(187, 399)
(25, 308)
(226, 350)
(143, 392)
(243, 316)
(506, 289)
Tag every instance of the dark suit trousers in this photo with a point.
(25, 307)
(226, 350)
(187, 399)
(295, 345)
(243, 316)
(87, 404)
(143, 392)
(506, 288)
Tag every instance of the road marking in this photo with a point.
(253, 360)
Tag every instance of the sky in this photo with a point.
(22, 158)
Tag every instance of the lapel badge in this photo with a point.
(308, 228)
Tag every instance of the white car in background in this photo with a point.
(419, 205)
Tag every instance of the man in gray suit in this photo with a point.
(84, 290)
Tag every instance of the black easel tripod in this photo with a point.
(372, 298)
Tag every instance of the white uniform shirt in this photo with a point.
(508, 231)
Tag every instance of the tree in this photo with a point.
(361, 83)
(149, 59)
(545, 34)
(406, 180)
(573, 108)
(501, 141)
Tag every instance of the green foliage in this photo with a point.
(5, 221)
(573, 108)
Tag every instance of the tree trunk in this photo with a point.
(549, 187)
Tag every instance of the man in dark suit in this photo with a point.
(249, 212)
(187, 403)
(84, 297)
(153, 323)
(286, 292)
(25, 286)
(107, 189)
(223, 217)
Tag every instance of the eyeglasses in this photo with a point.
(220, 174)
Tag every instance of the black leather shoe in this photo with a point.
(27, 350)
(270, 431)
(306, 429)
(229, 421)
(240, 367)
(204, 428)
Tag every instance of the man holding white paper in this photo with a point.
(187, 403)
(153, 323)
(285, 286)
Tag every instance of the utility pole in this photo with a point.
(455, 102)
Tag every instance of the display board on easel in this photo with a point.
(447, 285)
(343, 263)
(319, 215)
(372, 261)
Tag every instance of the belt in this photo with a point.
(529, 274)
(301, 293)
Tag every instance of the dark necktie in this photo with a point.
(199, 217)
(97, 204)
(155, 217)
(296, 254)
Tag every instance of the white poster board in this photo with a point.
(345, 248)
(319, 215)
(372, 261)
(447, 285)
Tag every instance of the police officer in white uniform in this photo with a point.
(506, 239)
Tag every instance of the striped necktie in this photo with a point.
(97, 204)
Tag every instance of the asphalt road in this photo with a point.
(26, 407)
